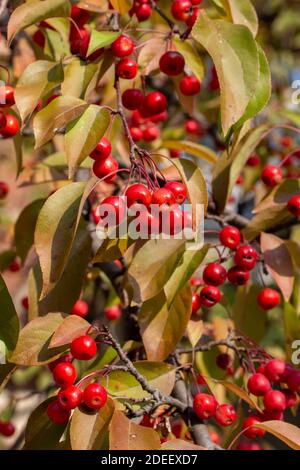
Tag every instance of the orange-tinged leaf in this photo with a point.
(286, 432)
(88, 430)
(150, 54)
(33, 344)
(127, 435)
(122, 6)
(181, 444)
(70, 328)
(240, 392)
(278, 260)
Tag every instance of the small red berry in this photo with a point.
(163, 196)
(258, 385)
(223, 361)
(275, 370)
(210, 295)
(127, 68)
(172, 63)
(230, 237)
(80, 308)
(25, 303)
(83, 348)
(244, 445)
(138, 194)
(4, 189)
(190, 85)
(293, 205)
(196, 302)
(151, 133)
(251, 431)
(154, 103)
(270, 415)
(204, 405)
(253, 160)
(181, 9)
(7, 96)
(274, 400)
(115, 208)
(143, 12)
(178, 190)
(132, 99)
(103, 168)
(70, 397)
(7, 428)
(268, 298)
(214, 274)
(79, 15)
(64, 374)
(136, 133)
(122, 46)
(238, 276)
(271, 176)
(102, 150)
(293, 381)
(11, 128)
(246, 257)
(113, 313)
(39, 38)
(14, 265)
(95, 396)
(192, 127)
(193, 17)
(225, 415)
(57, 414)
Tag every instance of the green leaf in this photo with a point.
(153, 265)
(67, 290)
(41, 433)
(84, 73)
(229, 166)
(279, 262)
(56, 227)
(111, 249)
(33, 343)
(30, 13)
(127, 435)
(187, 265)
(197, 150)
(238, 74)
(262, 93)
(88, 430)
(248, 317)
(192, 57)
(101, 39)
(243, 12)
(83, 135)
(123, 384)
(70, 328)
(9, 321)
(122, 6)
(37, 80)
(163, 325)
(25, 226)
(56, 115)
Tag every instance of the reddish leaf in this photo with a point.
(70, 328)
(126, 435)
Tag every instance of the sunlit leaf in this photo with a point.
(127, 435)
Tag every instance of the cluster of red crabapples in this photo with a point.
(9, 124)
(275, 384)
(214, 275)
(70, 396)
(81, 309)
